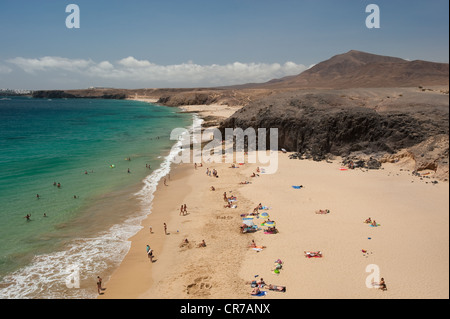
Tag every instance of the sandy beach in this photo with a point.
(409, 248)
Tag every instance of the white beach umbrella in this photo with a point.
(248, 223)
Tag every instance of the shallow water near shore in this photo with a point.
(99, 152)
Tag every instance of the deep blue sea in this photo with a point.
(107, 157)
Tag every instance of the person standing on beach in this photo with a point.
(184, 209)
(181, 210)
(99, 285)
(165, 228)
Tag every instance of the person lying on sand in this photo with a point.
(261, 283)
(311, 254)
(202, 244)
(381, 285)
(255, 291)
(229, 205)
(271, 230)
(276, 288)
(323, 211)
(184, 243)
(244, 183)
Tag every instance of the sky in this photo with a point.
(201, 43)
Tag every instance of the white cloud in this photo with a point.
(48, 63)
(131, 62)
(146, 73)
(4, 69)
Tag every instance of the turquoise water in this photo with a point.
(95, 149)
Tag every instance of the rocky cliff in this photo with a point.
(318, 124)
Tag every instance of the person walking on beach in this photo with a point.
(165, 184)
(150, 253)
(181, 210)
(184, 209)
(99, 285)
(165, 228)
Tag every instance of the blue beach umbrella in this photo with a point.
(264, 215)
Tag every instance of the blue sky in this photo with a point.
(181, 43)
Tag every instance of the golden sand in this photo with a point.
(410, 248)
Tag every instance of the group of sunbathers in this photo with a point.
(371, 222)
(261, 284)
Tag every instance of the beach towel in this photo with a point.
(261, 294)
(375, 226)
(296, 187)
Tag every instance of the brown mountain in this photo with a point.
(356, 69)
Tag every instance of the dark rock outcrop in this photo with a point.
(58, 94)
(316, 125)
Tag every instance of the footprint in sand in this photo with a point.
(200, 287)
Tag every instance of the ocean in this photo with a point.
(84, 171)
